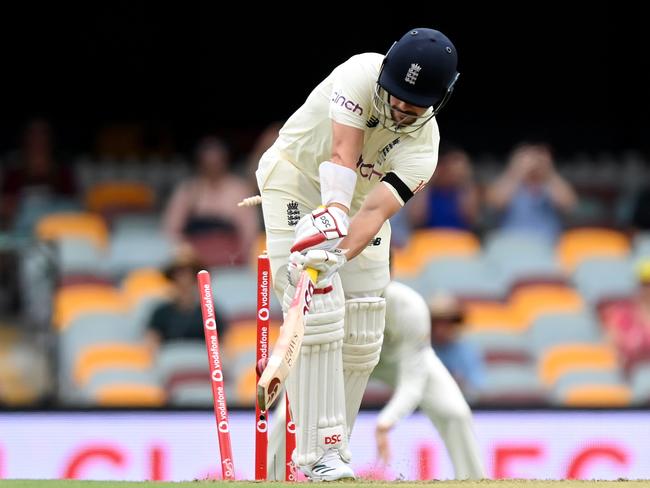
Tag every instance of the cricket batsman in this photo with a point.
(364, 141)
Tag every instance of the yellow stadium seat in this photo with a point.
(144, 283)
(246, 388)
(242, 336)
(577, 245)
(72, 301)
(529, 302)
(94, 358)
(483, 316)
(108, 196)
(429, 244)
(73, 225)
(589, 396)
(130, 395)
(564, 358)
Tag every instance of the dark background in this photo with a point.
(572, 72)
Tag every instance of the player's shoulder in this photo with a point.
(370, 62)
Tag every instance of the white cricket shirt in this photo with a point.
(346, 96)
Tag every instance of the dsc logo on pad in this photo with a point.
(332, 439)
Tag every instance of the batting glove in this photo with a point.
(327, 263)
(323, 228)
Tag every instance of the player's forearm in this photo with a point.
(379, 206)
(411, 384)
(363, 228)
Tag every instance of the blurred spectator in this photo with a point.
(264, 141)
(627, 323)
(180, 318)
(451, 199)
(461, 359)
(35, 179)
(207, 204)
(531, 196)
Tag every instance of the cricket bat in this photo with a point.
(287, 347)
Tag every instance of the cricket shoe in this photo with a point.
(330, 467)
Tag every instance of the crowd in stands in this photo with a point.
(537, 273)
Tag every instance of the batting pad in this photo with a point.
(315, 385)
(364, 334)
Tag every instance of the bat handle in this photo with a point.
(313, 274)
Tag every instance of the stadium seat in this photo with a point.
(598, 278)
(583, 377)
(577, 245)
(32, 208)
(72, 302)
(88, 330)
(564, 358)
(246, 387)
(500, 346)
(518, 256)
(512, 384)
(557, 328)
(465, 277)
(492, 316)
(133, 249)
(191, 395)
(591, 396)
(110, 198)
(181, 358)
(79, 257)
(144, 289)
(242, 336)
(143, 283)
(120, 375)
(429, 244)
(134, 222)
(73, 225)
(235, 292)
(129, 395)
(97, 357)
(530, 302)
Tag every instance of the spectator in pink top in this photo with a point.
(628, 323)
(206, 205)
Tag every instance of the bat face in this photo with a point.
(286, 350)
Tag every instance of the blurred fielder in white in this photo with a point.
(418, 378)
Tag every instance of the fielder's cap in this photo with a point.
(444, 306)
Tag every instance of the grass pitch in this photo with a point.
(342, 484)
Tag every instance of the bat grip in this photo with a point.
(313, 274)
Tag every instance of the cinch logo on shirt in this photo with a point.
(367, 170)
(349, 104)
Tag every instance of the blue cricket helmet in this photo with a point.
(420, 69)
